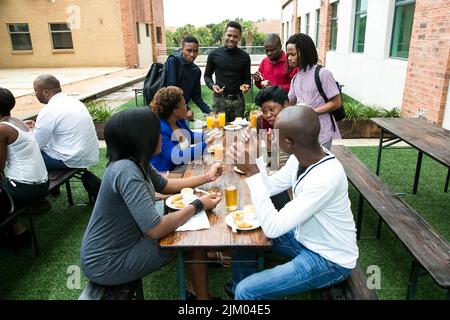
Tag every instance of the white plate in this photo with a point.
(232, 127)
(242, 122)
(229, 221)
(171, 206)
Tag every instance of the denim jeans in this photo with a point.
(306, 271)
(52, 164)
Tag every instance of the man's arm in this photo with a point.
(197, 96)
(172, 71)
(209, 70)
(43, 130)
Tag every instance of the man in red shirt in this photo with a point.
(274, 70)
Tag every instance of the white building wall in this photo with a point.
(286, 20)
(370, 77)
(446, 121)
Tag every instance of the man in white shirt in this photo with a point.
(64, 128)
(315, 229)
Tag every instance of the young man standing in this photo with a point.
(231, 66)
(274, 69)
(190, 74)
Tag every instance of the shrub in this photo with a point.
(99, 110)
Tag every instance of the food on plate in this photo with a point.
(176, 197)
(213, 189)
(238, 119)
(178, 204)
(249, 208)
(232, 126)
(237, 216)
(243, 225)
(187, 193)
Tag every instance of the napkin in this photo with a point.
(196, 222)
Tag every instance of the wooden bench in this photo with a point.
(126, 291)
(429, 250)
(352, 288)
(57, 178)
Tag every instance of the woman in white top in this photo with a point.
(26, 178)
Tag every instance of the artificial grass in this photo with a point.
(61, 230)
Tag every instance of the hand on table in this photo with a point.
(211, 200)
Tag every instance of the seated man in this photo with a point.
(315, 230)
(64, 128)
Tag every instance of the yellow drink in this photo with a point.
(216, 123)
(218, 153)
(222, 119)
(253, 119)
(231, 198)
(209, 122)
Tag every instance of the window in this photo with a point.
(288, 31)
(334, 25)
(138, 34)
(20, 36)
(61, 36)
(403, 21)
(159, 34)
(282, 33)
(147, 30)
(299, 24)
(360, 25)
(307, 24)
(317, 26)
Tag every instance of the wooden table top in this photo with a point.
(422, 135)
(219, 236)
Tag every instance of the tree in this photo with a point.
(204, 37)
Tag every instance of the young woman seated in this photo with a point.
(26, 177)
(180, 145)
(120, 244)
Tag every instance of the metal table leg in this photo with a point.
(447, 181)
(180, 274)
(418, 166)
(380, 147)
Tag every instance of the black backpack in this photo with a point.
(156, 78)
(338, 114)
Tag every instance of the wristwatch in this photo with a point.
(198, 205)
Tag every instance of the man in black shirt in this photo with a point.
(231, 66)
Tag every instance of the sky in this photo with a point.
(201, 12)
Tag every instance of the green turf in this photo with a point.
(61, 229)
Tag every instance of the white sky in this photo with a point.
(201, 12)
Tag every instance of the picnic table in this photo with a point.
(425, 137)
(219, 236)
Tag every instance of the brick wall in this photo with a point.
(97, 35)
(324, 30)
(428, 71)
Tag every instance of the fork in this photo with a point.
(201, 190)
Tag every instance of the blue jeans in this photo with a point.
(52, 164)
(306, 271)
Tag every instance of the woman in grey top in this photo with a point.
(121, 241)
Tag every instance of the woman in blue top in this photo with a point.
(179, 144)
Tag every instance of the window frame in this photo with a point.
(358, 15)
(60, 31)
(334, 19)
(159, 37)
(11, 33)
(399, 4)
(317, 27)
(307, 23)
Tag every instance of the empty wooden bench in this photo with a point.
(57, 178)
(429, 250)
(127, 291)
(353, 288)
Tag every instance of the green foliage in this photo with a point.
(393, 113)
(249, 107)
(355, 110)
(212, 34)
(99, 110)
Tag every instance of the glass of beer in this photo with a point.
(218, 152)
(209, 121)
(222, 119)
(231, 197)
(253, 119)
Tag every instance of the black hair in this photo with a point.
(133, 134)
(306, 50)
(273, 38)
(274, 93)
(189, 39)
(235, 25)
(7, 102)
